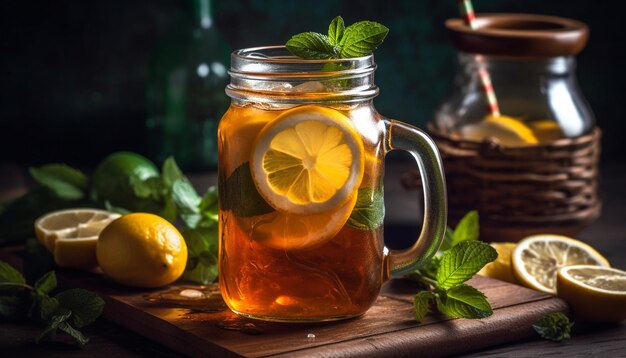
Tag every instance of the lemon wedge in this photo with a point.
(537, 258)
(595, 293)
(308, 160)
(501, 268)
(71, 235)
(510, 131)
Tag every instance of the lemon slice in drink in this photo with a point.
(508, 130)
(595, 293)
(307, 164)
(537, 258)
(282, 231)
(308, 160)
(71, 235)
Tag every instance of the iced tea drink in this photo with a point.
(301, 161)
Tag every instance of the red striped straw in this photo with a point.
(467, 12)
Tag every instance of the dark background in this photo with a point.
(72, 72)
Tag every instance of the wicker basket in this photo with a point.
(550, 188)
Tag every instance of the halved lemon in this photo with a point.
(501, 268)
(72, 234)
(308, 160)
(595, 293)
(510, 131)
(537, 258)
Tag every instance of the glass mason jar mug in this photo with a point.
(301, 161)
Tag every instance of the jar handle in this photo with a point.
(401, 136)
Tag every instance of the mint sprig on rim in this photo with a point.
(356, 40)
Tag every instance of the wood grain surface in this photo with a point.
(387, 329)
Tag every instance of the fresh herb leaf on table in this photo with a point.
(554, 326)
(459, 259)
(169, 195)
(67, 311)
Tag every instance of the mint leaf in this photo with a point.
(151, 188)
(47, 306)
(421, 302)
(55, 320)
(202, 255)
(46, 283)
(429, 268)
(209, 208)
(9, 275)
(240, 194)
(335, 31)
(361, 38)
(311, 46)
(64, 181)
(369, 210)
(554, 326)
(463, 261)
(446, 244)
(187, 201)
(467, 229)
(464, 301)
(74, 333)
(171, 172)
(85, 305)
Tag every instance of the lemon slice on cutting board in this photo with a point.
(71, 235)
(508, 130)
(537, 258)
(595, 293)
(307, 164)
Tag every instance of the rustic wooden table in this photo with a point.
(607, 235)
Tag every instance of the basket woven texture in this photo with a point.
(548, 188)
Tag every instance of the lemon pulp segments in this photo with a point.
(597, 277)
(595, 293)
(308, 160)
(537, 258)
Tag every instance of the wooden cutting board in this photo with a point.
(204, 327)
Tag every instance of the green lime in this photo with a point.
(113, 180)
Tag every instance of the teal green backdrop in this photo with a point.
(73, 72)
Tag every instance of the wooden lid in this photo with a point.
(523, 35)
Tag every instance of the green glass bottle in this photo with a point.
(187, 75)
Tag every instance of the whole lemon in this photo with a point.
(142, 250)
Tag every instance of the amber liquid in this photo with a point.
(335, 278)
